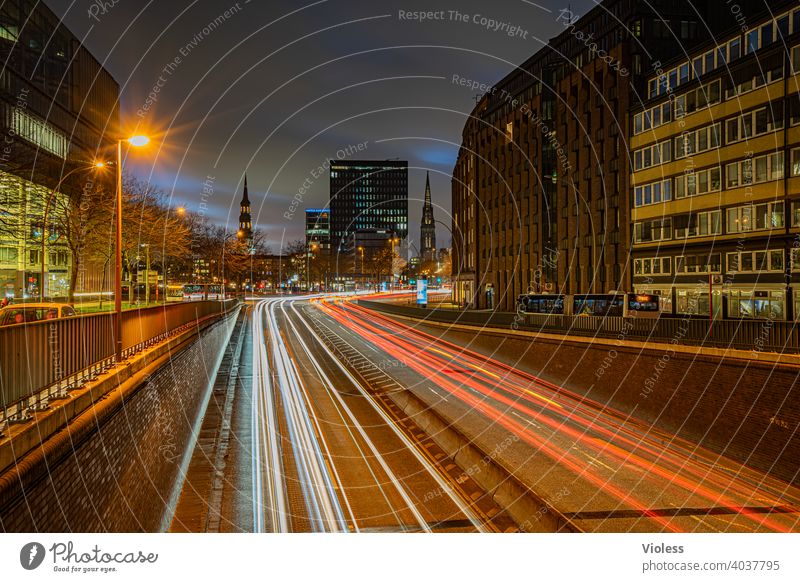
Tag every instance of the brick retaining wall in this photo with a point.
(120, 477)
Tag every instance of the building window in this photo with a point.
(754, 171)
(697, 99)
(698, 224)
(699, 182)
(654, 193)
(698, 264)
(652, 118)
(796, 162)
(652, 266)
(37, 131)
(795, 218)
(770, 261)
(698, 141)
(755, 304)
(652, 230)
(8, 254)
(795, 264)
(753, 123)
(653, 155)
(755, 217)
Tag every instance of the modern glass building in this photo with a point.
(318, 228)
(58, 113)
(367, 195)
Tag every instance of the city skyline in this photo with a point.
(441, 104)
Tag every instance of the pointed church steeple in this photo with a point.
(428, 204)
(427, 228)
(245, 222)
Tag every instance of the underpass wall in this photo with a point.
(116, 467)
(744, 409)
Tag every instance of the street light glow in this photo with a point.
(139, 140)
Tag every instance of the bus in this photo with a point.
(202, 291)
(602, 305)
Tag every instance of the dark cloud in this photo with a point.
(275, 88)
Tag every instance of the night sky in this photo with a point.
(275, 88)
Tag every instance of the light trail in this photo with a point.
(264, 424)
(493, 388)
(429, 468)
(324, 510)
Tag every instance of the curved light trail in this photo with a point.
(569, 428)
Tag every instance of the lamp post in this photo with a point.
(360, 250)
(394, 240)
(309, 251)
(136, 141)
(96, 165)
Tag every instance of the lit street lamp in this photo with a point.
(136, 141)
(309, 251)
(394, 240)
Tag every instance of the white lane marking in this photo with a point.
(454, 497)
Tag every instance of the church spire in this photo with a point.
(245, 199)
(428, 225)
(245, 221)
(428, 191)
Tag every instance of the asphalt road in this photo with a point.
(310, 446)
(315, 441)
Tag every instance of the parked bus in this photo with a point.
(607, 304)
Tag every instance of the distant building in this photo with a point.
(318, 229)
(367, 195)
(427, 229)
(59, 109)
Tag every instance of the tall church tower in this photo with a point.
(427, 230)
(245, 222)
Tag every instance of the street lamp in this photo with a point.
(94, 166)
(135, 141)
(309, 251)
(361, 271)
(394, 240)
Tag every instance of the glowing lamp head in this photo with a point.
(139, 140)
(99, 164)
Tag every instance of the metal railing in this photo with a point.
(43, 360)
(760, 335)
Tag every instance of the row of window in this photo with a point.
(766, 261)
(776, 29)
(739, 219)
(746, 126)
(756, 170)
(697, 141)
(689, 102)
(37, 131)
